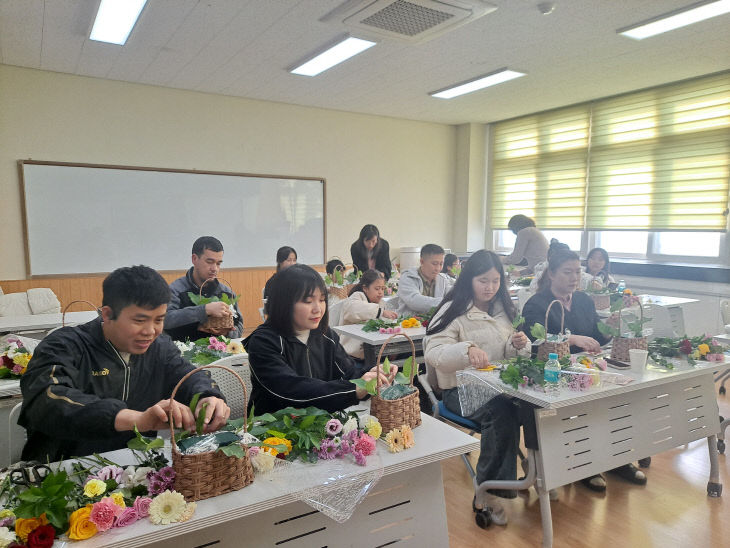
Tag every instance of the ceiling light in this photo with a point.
(676, 19)
(491, 79)
(115, 20)
(335, 55)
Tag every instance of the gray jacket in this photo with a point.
(410, 299)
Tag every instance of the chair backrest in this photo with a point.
(661, 321)
(16, 435)
(523, 295)
(725, 311)
(336, 313)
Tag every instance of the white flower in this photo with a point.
(349, 426)
(132, 477)
(12, 350)
(184, 347)
(6, 537)
(263, 462)
(364, 419)
(167, 507)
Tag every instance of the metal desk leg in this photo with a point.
(714, 487)
(370, 353)
(545, 515)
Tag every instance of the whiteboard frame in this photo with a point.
(26, 241)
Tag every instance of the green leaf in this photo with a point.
(607, 330)
(538, 331)
(360, 383)
(371, 386)
(266, 417)
(386, 366)
(179, 436)
(200, 420)
(518, 321)
(233, 450)
(287, 420)
(400, 378)
(276, 434)
(307, 422)
(194, 403)
(407, 367)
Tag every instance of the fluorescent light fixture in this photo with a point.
(115, 20)
(676, 19)
(481, 82)
(335, 55)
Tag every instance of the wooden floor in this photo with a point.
(672, 510)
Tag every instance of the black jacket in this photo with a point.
(76, 383)
(183, 317)
(286, 372)
(382, 257)
(581, 319)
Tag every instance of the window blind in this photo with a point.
(656, 159)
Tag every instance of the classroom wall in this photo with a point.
(397, 174)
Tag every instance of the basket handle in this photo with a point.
(562, 318)
(380, 355)
(200, 293)
(65, 309)
(179, 383)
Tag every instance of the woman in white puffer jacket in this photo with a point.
(472, 327)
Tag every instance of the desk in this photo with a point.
(585, 433)
(371, 342)
(40, 322)
(673, 306)
(265, 514)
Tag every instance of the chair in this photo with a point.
(229, 385)
(336, 313)
(523, 295)
(16, 435)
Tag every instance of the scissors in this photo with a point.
(31, 476)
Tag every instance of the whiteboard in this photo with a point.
(92, 218)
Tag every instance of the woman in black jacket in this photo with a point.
(371, 252)
(295, 358)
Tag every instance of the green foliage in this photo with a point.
(538, 331)
(607, 330)
(376, 323)
(518, 321)
(48, 498)
(524, 281)
(197, 300)
(141, 443)
(516, 369)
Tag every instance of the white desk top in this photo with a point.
(642, 379)
(663, 300)
(355, 331)
(9, 387)
(13, 324)
(435, 441)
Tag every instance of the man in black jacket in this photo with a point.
(87, 387)
(184, 319)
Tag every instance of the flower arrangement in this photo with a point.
(634, 336)
(577, 373)
(198, 300)
(399, 439)
(88, 496)
(401, 386)
(702, 347)
(311, 434)
(380, 324)
(14, 358)
(209, 349)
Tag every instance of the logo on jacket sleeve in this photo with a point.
(104, 372)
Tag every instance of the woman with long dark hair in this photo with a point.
(295, 358)
(286, 256)
(598, 270)
(371, 252)
(473, 326)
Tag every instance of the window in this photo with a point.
(693, 244)
(626, 243)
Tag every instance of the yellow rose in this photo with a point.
(25, 526)
(94, 488)
(80, 527)
(703, 348)
(118, 499)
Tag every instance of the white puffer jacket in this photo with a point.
(357, 309)
(447, 351)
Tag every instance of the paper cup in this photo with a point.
(638, 358)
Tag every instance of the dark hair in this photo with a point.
(282, 254)
(554, 262)
(462, 294)
(606, 270)
(367, 278)
(206, 242)
(334, 264)
(518, 222)
(367, 232)
(556, 246)
(449, 260)
(134, 285)
(288, 287)
(431, 249)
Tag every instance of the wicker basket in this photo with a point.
(562, 349)
(92, 305)
(601, 301)
(396, 413)
(210, 474)
(213, 325)
(621, 346)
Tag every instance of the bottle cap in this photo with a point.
(552, 356)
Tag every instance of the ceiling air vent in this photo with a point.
(406, 20)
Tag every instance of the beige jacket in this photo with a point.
(446, 352)
(357, 309)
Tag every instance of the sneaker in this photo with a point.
(631, 473)
(595, 483)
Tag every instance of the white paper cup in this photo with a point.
(638, 358)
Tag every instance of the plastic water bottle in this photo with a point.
(552, 374)
(621, 286)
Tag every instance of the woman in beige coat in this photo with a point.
(363, 304)
(473, 326)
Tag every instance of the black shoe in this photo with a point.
(595, 483)
(631, 473)
(645, 463)
(503, 493)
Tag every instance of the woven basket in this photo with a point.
(601, 300)
(396, 413)
(621, 346)
(63, 315)
(562, 349)
(216, 325)
(210, 474)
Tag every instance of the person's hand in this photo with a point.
(374, 373)
(215, 330)
(218, 309)
(390, 376)
(216, 414)
(155, 417)
(589, 344)
(390, 314)
(477, 357)
(519, 340)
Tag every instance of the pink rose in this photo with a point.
(142, 506)
(127, 517)
(382, 330)
(103, 513)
